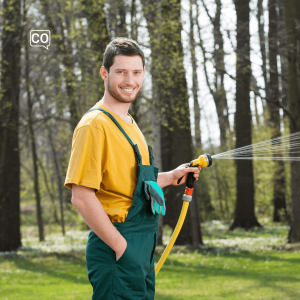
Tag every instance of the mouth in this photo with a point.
(128, 90)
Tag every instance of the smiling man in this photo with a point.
(115, 186)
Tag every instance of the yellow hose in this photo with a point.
(177, 229)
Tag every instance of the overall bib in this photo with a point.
(132, 276)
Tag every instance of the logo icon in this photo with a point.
(40, 38)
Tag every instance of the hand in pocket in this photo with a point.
(120, 253)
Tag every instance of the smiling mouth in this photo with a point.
(127, 90)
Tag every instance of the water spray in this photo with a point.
(284, 148)
(274, 149)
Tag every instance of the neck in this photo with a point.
(117, 107)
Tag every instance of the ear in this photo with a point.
(103, 73)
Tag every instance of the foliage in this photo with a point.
(65, 82)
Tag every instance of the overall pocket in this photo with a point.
(97, 250)
(99, 266)
(131, 269)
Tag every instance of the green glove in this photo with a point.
(154, 193)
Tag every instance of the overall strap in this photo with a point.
(151, 158)
(135, 146)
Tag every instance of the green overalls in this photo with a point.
(132, 277)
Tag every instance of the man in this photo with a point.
(109, 166)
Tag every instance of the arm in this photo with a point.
(171, 177)
(93, 213)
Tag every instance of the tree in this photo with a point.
(171, 100)
(195, 85)
(33, 142)
(60, 25)
(217, 89)
(98, 34)
(282, 49)
(272, 93)
(292, 21)
(244, 211)
(274, 122)
(202, 188)
(10, 235)
(262, 43)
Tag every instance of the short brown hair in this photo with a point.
(121, 46)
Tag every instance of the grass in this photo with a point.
(244, 275)
(233, 265)
(41, 277)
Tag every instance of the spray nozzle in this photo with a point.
(203, 161)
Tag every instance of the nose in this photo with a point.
(129, 79)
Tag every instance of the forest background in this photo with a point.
(219, 75)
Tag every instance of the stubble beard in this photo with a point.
(117, 96)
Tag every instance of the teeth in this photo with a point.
(127, 90)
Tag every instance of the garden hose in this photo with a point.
(202, 161)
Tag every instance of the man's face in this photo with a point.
(125, 78)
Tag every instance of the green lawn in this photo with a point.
(44, 278)
(220, 270)
(244, 275)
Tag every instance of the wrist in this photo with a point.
(165, 179)
(172, 177)
(120, 245)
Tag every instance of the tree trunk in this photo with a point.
(196, 219)
(292, 20)
(201, 189)
(255, 88)
(58, 180)
(168, 74)
(33, 148)
(117, 18)
(121, 30)
(262, 43)
(194, 209)
(217, 89)
(283, 57)
(65, 49)
(244, 212)
(157, 163)
(93, 10)
(195, 80)
(10, 235)
(220, 93)
(46, 181)
(133, 23)
(274, 122)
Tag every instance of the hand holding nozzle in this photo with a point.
(203, 161)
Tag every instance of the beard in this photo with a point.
(116, 95)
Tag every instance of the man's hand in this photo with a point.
(93, 213)
(183, 171)
(122, 247)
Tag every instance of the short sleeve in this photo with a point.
(86, 164)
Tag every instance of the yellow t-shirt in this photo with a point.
(104, 160)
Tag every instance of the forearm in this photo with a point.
(165, 179)
(96, 218)
(171, 177)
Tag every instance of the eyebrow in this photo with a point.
(126, 70)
